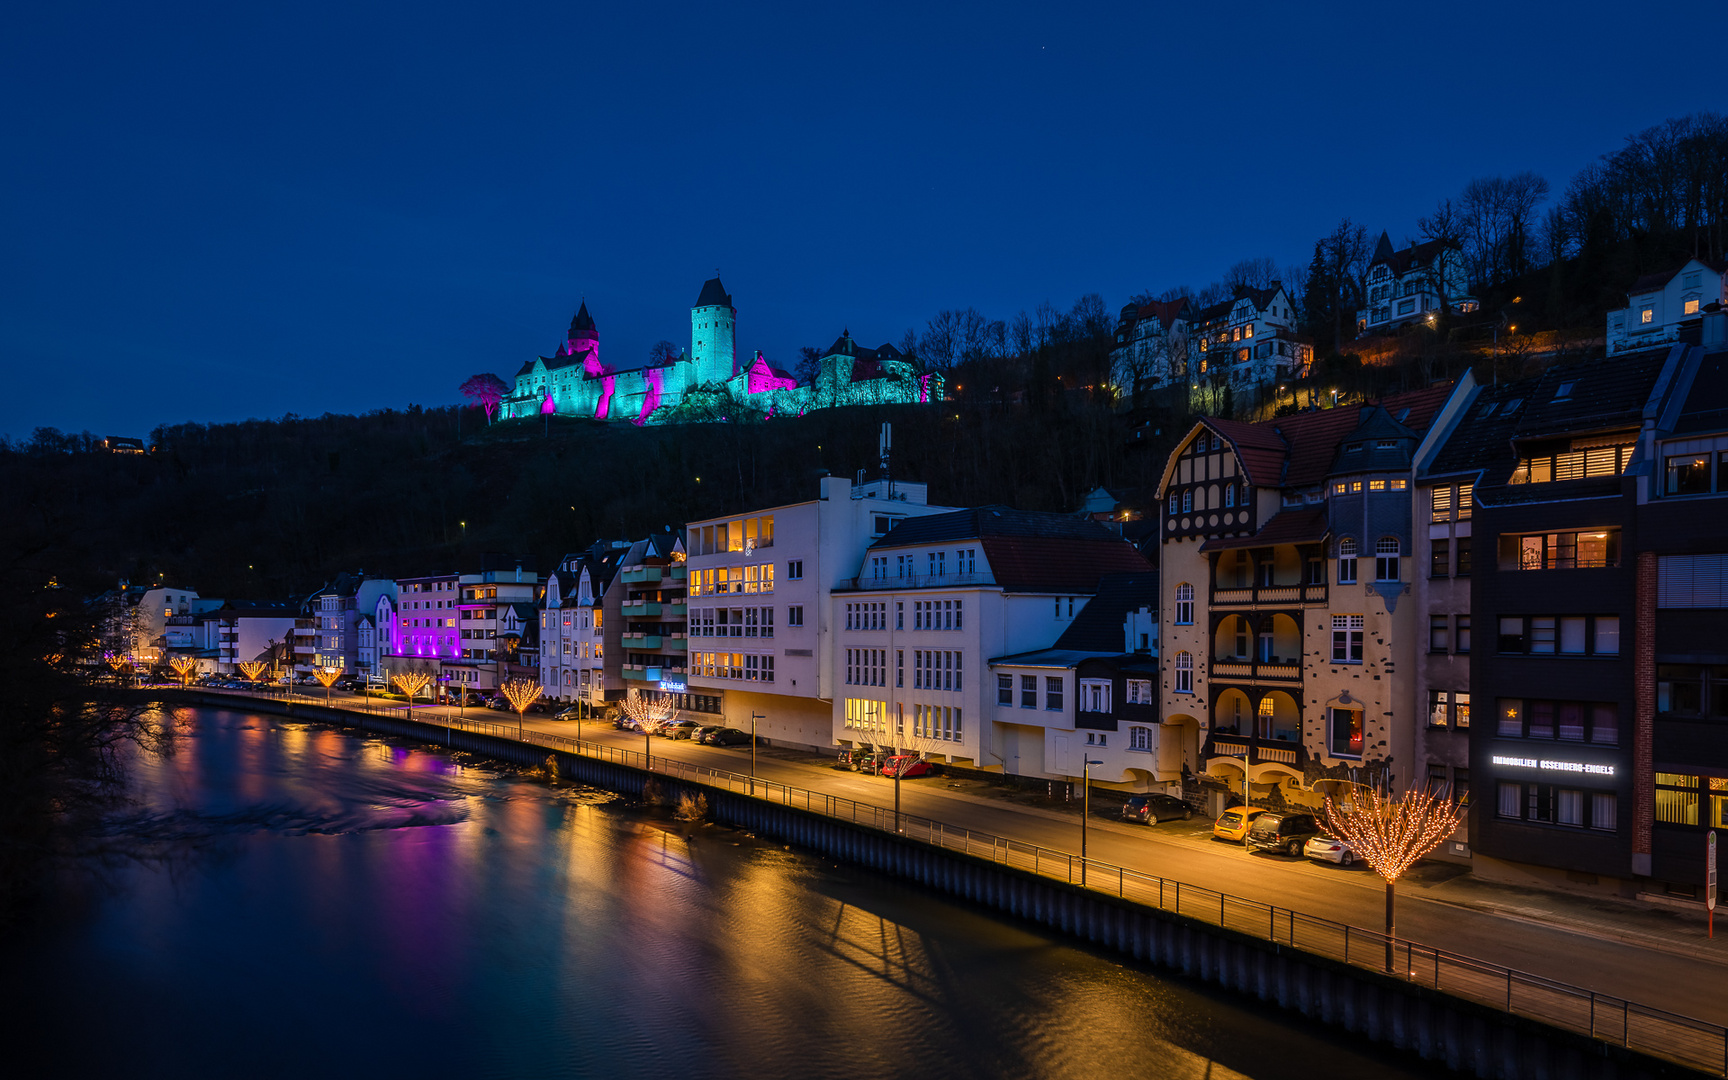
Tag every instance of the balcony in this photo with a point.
(642, 575)
(640, 609)
(680, 572)
(1256, 750)
(674, 643)
(1253, 671)
(1269, 596)
(640, 642)
(678, 610)
(641, 673)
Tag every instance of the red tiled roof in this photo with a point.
(1165, 311)
(1296, 451)
(1302, 526)
(1060, 565)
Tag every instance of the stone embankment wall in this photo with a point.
(1475, 1040)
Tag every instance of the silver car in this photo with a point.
(1329, 849)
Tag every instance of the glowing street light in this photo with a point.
(1391, 837)
(521, 693)
(1086, 764)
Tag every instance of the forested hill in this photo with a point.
(271, 508)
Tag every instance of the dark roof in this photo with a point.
(1603, 395)
(866, 363)
(1299, 526)
(1057, 657)
(1652, 282)
(713, 294)
(1297, 451)
(1029, 551)
(1401, 261)
(1098, 627)
(1376, 427)
(1706, 407)
(582, 325)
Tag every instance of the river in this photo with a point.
(339, 905)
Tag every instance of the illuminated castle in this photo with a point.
(707, 382)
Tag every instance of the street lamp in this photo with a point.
(755, 716)
(1085, 809)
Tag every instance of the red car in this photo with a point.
(906, 766)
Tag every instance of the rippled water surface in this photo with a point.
(349, 906)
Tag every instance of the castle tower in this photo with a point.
(583, 337)
(713, 325)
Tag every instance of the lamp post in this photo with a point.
(1085, 808)
(755, 716)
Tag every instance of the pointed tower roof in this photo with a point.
(1382, 250)
(713, 294)
(582, 325)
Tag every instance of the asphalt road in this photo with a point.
(1654, 957)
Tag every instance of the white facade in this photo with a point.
(1407, 285)
(761, 629)
(1249, 341)
(142, 620)
(1657, 304)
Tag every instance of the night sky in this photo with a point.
(213, 211)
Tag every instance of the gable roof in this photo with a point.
(1652, 282)
(1401, 261)
(713, 294)
(1028, 551)
(1098, 627)
(1297, 451)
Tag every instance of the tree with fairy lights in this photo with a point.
(184, 666)
(411, 683)
(521, 693)
(252, 669)
(650, 713)
(1391, 835)
(327, 678)
(119, 663)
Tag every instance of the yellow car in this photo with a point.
(1233, 825)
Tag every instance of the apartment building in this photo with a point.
(1247, 342)
(426, 634)
(496, 620)
(574, 656)
(1286, 641)
(933, 600)
(654, 617)
(761, 588)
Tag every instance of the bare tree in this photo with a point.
(1251, 274)
(663, 353)
(939, 345)
(1392, 836)
(1445, 227)
(1497, 216)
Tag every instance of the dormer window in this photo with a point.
(1387, 444)
(1351, 448)
(1565, 391)
(1511, 407)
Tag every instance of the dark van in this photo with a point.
(1282, 831)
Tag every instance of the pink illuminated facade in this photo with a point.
(426, 617)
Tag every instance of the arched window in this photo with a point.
(1184, 673)
(1347, 561)
(1386, 559)
(1184, 604)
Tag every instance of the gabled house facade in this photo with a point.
(1659, 305)
(1151, 347)
(1286, 636)
(1248, 341)
(1411, 283)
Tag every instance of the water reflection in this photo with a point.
(362, 907)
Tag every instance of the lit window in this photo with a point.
(1692, 307)
(1376, 485)
(1647, 315)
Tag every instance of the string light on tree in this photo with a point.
(1392, 836)
(411, 683)
(184, 666)
(521, 693)
(252, 669)
(650, 713)
(327, 678)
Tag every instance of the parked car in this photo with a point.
(1281, 831)
(729, 737)
(1233, 824)
(1155, 807)
(679, 729)
(499, 702)
(574, 712)
(1329, 849)
(705, 732)
(907, 766)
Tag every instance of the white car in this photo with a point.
(1328, 849)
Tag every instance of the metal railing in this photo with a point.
(1696, 1043)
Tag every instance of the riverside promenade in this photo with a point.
(1624, 974)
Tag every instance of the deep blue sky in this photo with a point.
(210, 211)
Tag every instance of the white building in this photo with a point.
(1657, 304)
(761, 624)
(1406, 285)
(1248, 341)
(1151, 350)
(139, 617)
(935, 599)
(573, 625)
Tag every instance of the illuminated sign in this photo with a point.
(672, 686)
(1549, 765)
